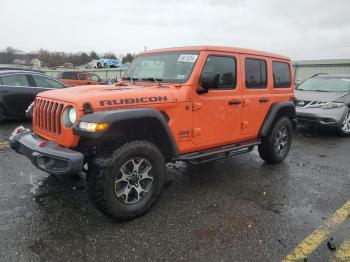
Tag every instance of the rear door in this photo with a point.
(70, 78)
(17, 94)
(256, 94)
(217, 114)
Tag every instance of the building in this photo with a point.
(306, 68)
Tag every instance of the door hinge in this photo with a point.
(244, 124)
(246, 102)
(196, 106)
(196, 131)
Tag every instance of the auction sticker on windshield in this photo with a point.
(187, 58)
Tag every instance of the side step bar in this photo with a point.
(219, 153)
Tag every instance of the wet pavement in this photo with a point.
(238, 209)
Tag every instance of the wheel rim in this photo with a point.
(134, 180)
(281, 142)
(346, 124)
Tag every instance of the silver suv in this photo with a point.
(324, 99)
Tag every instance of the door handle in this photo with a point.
(264, 100)
(234, 102)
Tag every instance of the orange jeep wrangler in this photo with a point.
(192, 104)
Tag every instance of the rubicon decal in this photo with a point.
(133, 100)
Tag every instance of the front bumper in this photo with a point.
(46, 155)
(319, 116)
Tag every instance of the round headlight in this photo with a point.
(69, 116)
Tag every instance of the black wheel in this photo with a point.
(126, 183)
(344, 129)
(2, 114)
(275, 146)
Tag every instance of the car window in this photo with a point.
(69, 75)
(281, 75)
(82, 77)
(42, 81)
(15, 80)
(94, 78)
(225, 67)
(255, 73)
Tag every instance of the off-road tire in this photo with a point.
(344, 130)
(102, 174)
(268, 149)
(2, 114)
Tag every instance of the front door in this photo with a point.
(18, 94)
(217, 114)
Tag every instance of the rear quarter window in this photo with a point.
(281, 75)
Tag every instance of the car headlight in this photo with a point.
(69, 116)
(332, 105)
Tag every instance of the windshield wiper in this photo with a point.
(153, 79)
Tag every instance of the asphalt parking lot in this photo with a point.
(238, 209)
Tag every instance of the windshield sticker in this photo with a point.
(180, 76)
(187, 58)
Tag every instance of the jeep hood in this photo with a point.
(110, 96)
(319, 96)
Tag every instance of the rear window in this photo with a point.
(281, 75)
(255, 73)
(69, 75)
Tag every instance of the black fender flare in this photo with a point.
(276, 110)
(117, 116)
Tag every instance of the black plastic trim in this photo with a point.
(27, 143)
(275, 109)
(114, 116)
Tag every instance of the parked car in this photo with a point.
(191, 104)
(324, 100)
(107, 63)
(77, 78)
(18, 89)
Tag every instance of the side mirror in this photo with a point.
(209, 80)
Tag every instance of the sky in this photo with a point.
(300, 29)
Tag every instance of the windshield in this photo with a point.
(326, 84)
(172, 67)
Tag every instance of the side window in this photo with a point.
(225, 67)
(94, 78)
(281, 75)
(69, 75)
(15, 80)
(42, 81)
(82, 76)
(255, 73)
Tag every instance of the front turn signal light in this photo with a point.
(93, 127)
